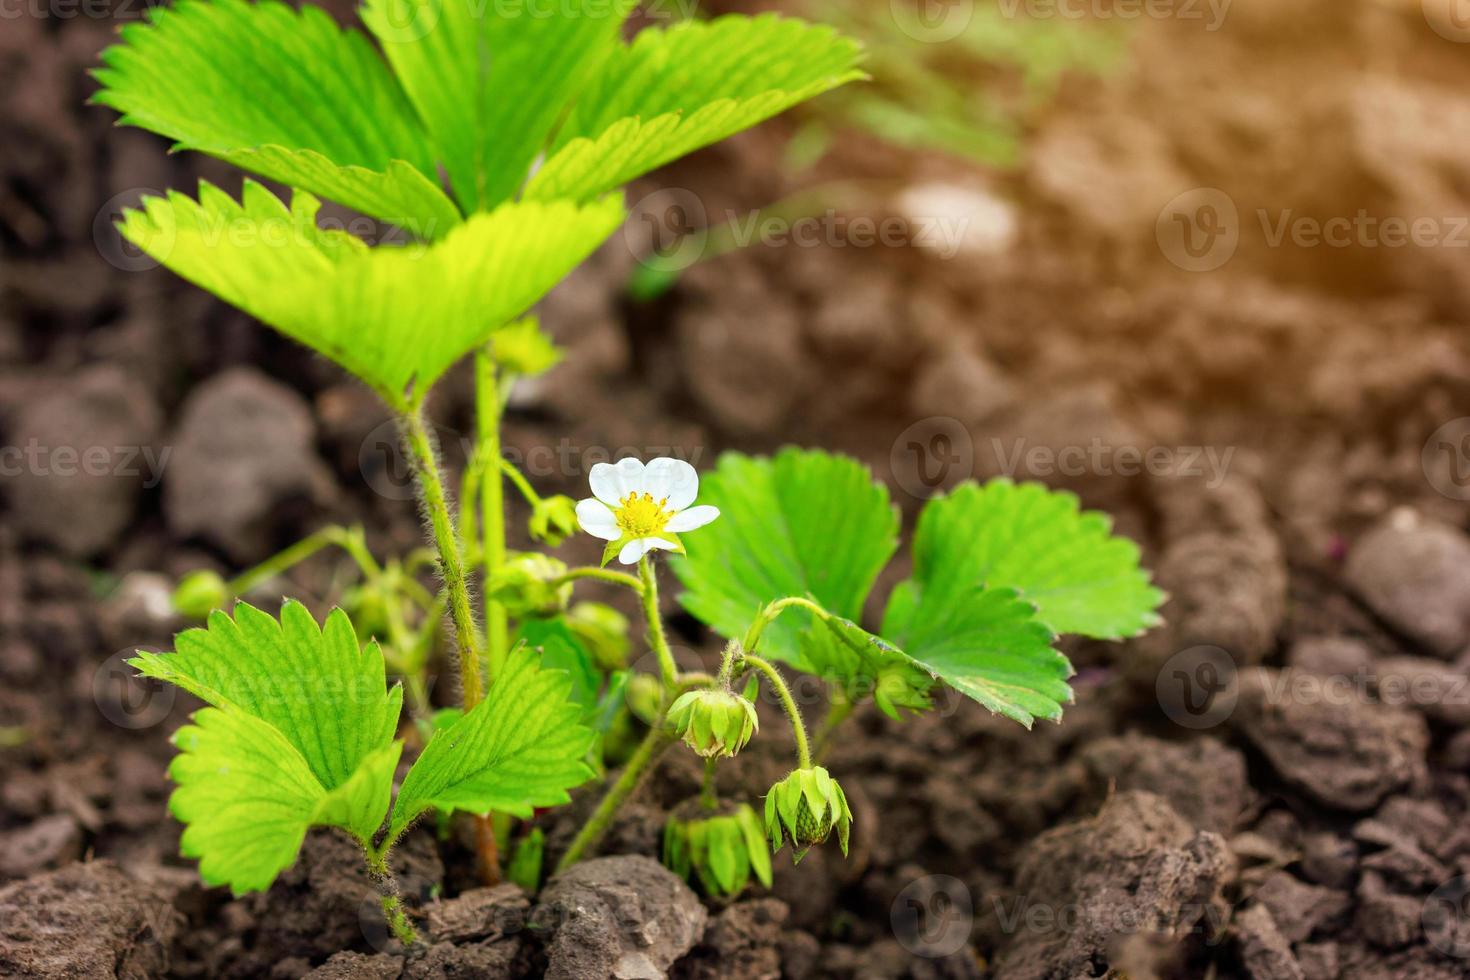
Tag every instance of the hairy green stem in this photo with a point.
(349, 539)
(653, 745)
(488, 407)
(707, 796)
(668, 670)
(788, 703)
(519, 479)
(770, 612)
(388, 896)
(600, 575)
(425, 462)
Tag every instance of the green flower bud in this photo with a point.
(645, 694)
(714, 723)
(602, 630)
(523, 585)
(200, 593)
(901, 685)
(803, 809)
(718, 848)
(553, 519)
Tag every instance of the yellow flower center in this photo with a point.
(640, 516)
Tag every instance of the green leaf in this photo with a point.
(300, 734)
(520, 748)
(397, 317)
(282, 93)
(560, 649)
(670, 92)
(490, 80)
(1024, 537)
(325, 696)
(986, 644)
(804, 523)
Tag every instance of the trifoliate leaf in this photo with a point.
(985, 643)
(300, 735)
(285, 94)
(1028, 538)
(314, 685)
(803, 523)
(397, 317)
(520, 748)
(670, 92)
(490, 80)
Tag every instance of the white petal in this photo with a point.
(659, 543)
(688, 520)
(597, 520)
(611, 482)
(673, 480)
(634, 550)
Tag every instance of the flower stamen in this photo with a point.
(640, 516)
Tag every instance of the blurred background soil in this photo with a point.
(1135, 309)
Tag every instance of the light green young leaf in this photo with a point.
(1025, 537)
(805, 523)
(247, 798)
(285, 94)
(325, 696)
(520, 748)
(397, 317)
(490, 79)
(670, 92)
(300, 735)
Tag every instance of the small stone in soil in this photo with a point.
(1349, 754)
(90, 451)
(1135, 869)
(1415, 573)
(246, 448)
(1264, 952)
(86, 920)
(51, 841)
(617, 918)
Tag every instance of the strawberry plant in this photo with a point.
(535, 121)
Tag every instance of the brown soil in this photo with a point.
(1279, 831)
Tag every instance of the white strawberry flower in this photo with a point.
(641, 507)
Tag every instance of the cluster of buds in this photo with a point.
(719, 848)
